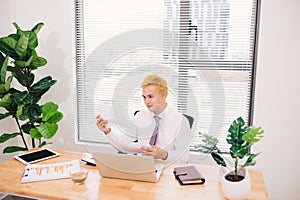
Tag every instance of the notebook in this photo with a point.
(128, 166)
(188, 175)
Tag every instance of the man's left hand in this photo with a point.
(155, 151)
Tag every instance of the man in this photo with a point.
(162, 132)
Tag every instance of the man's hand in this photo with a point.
(155, 151)
(101, 123)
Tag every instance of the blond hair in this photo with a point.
(159, 83)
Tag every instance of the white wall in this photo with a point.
(277, 90)
(277, 98)
(56, 44)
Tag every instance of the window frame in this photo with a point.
(79, 57)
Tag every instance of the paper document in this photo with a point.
(106, 111)
(41, 172)
(114, 114)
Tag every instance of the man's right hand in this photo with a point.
(101, 123)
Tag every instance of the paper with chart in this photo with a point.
(41, 172)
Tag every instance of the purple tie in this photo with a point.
(155, 132)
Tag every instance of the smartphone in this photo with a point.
(36, 156)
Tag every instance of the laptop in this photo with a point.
(128, 166)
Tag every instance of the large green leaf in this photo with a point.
(32, 110)
(6, 136)
(20, 76)
(48, 109)
(253, 135)
(16, 26)
(38, 62)
(5, 101)
(34, 133)
(3, 70)
(44, 83)
(11, 149)
(22, 44)
(50, 113)
(209, 144)
(242, 151)
(31, 78)
(33, 53)
(20, 114)
(8, 83)
(47, 130)
(42, 87)
(33, 41)
(28, 99)
(37, 97)
(250, 161)
(219, 160)
(10, 42)
(239, 148)
(4, 88)
(37, 27)
(239, 151)
(241, 121)
(37, 94)
(44, 143)
(7, 50)
(22, 64)
(3, 116)
(236, 131)
(15, 70)
(14, 36)
(55, 117)
(26, 127)
(20, 97)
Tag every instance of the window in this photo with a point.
(204, 48)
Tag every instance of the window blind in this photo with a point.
(205, 49)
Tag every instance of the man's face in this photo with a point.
(153, 99)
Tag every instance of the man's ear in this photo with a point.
(164, 95)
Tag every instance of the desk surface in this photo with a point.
(105, 188)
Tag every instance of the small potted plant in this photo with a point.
(20, 92)
(235, 180)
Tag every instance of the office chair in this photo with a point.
(190, 119)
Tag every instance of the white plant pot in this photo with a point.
(236, 190)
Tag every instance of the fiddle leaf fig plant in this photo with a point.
(240, 138)
(20, 92)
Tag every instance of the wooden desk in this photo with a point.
(105, 188)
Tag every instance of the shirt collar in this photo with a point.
(162, 114)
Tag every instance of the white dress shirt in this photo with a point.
(173, 134)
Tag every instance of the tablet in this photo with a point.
(36, 156)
